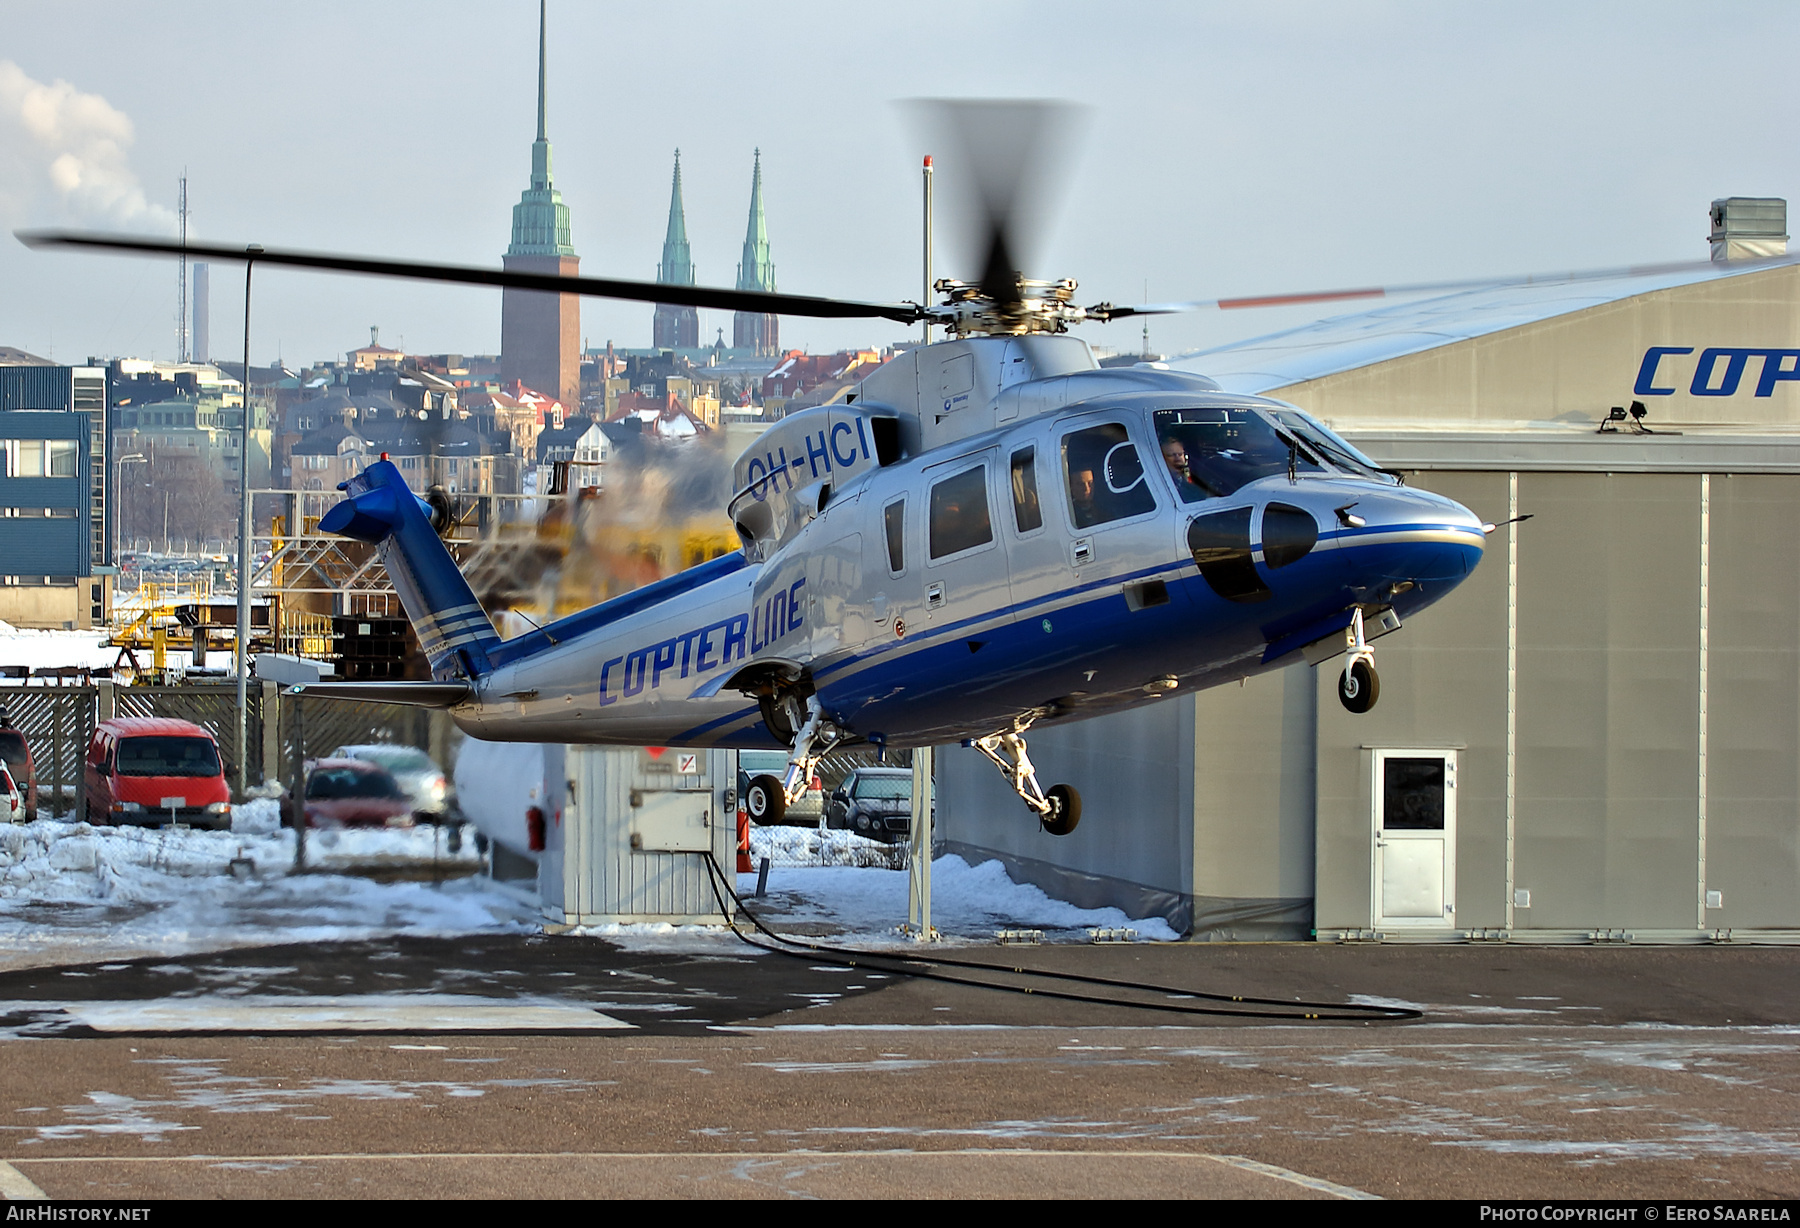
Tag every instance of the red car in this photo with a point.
(354, 793)
(151, 770)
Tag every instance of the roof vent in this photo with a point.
(1747, 227)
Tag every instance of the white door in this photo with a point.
(1415, 839)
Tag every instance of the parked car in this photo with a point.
(150, 770)
(12, 800)
(418, 775)
(15, 752)
(354, 793)
(875, 802)
(760, 793)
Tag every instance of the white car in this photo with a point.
(759, 779)
(12, 799)
(418, 774)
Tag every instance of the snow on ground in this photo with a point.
(853, 889)
(71, 892)
(103, 890)
(839, 881)
(968, 903)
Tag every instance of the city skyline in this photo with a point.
(1300, 147)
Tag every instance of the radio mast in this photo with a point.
(181, 311)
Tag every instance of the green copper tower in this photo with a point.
(753, 330)
(540, 334)
(540, 220)
(676, 327)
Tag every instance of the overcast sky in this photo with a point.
(1229, 149)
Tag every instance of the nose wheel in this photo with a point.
(1358, 686)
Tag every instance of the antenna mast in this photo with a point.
(925, 298)
(181, 312)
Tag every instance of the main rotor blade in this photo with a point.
(469, 275)
(1003, 158)
(1428, 287)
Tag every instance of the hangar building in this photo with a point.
(1596, 737)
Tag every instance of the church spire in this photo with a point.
(540, 333)
(756, 331)
(674, 327)
(677, 267)
(540, 219)
(757, 271)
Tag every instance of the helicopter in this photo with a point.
(989, 533)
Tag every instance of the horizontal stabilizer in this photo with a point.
(419, 694)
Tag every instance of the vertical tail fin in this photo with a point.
(453, 629)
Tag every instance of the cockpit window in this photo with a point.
(1332, 446)
(1105, 476)
(1212, 452)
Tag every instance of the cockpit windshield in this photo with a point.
(1337, 452)
(1213, 452)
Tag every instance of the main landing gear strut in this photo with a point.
(813, 739)
(767, 798)
(1359, 686)
(1059, 810)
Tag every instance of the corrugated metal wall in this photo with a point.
(1133, 848)
(598, 877)
(35, 388)
(1655, 693)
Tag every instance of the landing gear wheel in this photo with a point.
(765, 801)
(1065, 810)
(1359, 687)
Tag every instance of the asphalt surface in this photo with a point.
(573, 1067)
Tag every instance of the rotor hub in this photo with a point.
(1034, 307)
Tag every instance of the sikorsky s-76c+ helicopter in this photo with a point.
(992, 532)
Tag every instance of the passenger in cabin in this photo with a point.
(1081, 496)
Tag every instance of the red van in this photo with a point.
(151, 770)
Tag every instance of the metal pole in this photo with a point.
(926, 299)
(918, 886)
(241, 657)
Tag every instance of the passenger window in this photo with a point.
(959, 513)
(894, 515)
(1027, 515)
(1105, 476)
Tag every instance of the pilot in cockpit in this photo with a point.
(1174, 454)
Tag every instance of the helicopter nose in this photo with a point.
(1410, 535)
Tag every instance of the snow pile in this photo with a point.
(177, 890)
(811, 846)
(967, 902)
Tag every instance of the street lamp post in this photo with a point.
(242, 654)
(118, 499)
